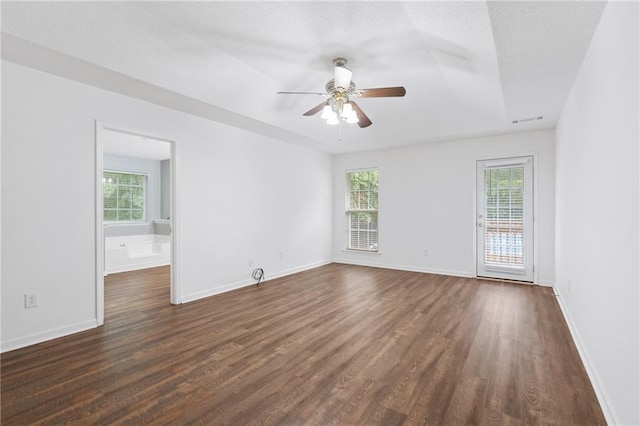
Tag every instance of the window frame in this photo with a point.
(145, 196)
(349, 211)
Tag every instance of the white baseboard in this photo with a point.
(297, 269)
(464, 274)
(607, 409)
(191, 297)
(245, 283)
(546, 283)
(35, 338)
(454, 273)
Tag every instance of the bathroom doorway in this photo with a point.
(135, 207)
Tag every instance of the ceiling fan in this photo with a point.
(338, 107)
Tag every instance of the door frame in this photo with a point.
(535, 231)
(175, 295)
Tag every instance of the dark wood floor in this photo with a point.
(335, 345)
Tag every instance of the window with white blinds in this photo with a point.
(504, 216)
(124, 196)
(362, 210)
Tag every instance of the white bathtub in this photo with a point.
(136, 252)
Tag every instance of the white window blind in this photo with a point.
(124, 196)
(504, 212)
(362, 210)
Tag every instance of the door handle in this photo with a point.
(480, 224)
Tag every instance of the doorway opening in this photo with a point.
(504, 219)
(135, 207)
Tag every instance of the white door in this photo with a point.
(504, 219)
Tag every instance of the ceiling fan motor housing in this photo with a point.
(331, 88)
(337, 95)
(339, 62)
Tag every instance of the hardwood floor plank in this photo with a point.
(467, 402)
(339, 344)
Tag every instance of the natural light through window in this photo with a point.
(124, 196)
(504, 230)
(362, 210)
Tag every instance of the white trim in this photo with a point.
(511, 270)
(126, 172)
(124, 224)
(536, 215)
(100, 260)
(512, 159)
(361, 169)
(100, 250)
(245, 283)
(463, 274)
(174, 196)
(545, 283)
(297, 269)
(603, 398)
(43, 336)
(365, 252)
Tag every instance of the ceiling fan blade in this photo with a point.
(316, 109)
(342, 77)
(380, 92)
(363, 120)
(300, 93)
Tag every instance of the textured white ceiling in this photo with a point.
(469, 68)
(540, 47)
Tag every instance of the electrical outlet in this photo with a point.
(251, 264)
(425, 252)
(281, 255)
(569, 286)
(30, 300)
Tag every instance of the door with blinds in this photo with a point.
(504, 219)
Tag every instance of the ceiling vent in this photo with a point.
(524, 120)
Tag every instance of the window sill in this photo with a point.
(361, 251)
(139, 223)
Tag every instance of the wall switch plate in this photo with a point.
(30, 300)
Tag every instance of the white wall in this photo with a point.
(427, 202)
(241, 197)
(597, 212)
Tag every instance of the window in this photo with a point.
(362, 210)
(124, 196)
(504, 216)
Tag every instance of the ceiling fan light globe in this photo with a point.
(347, 110)
(333, 121)
(352, 118)
(327, 112)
